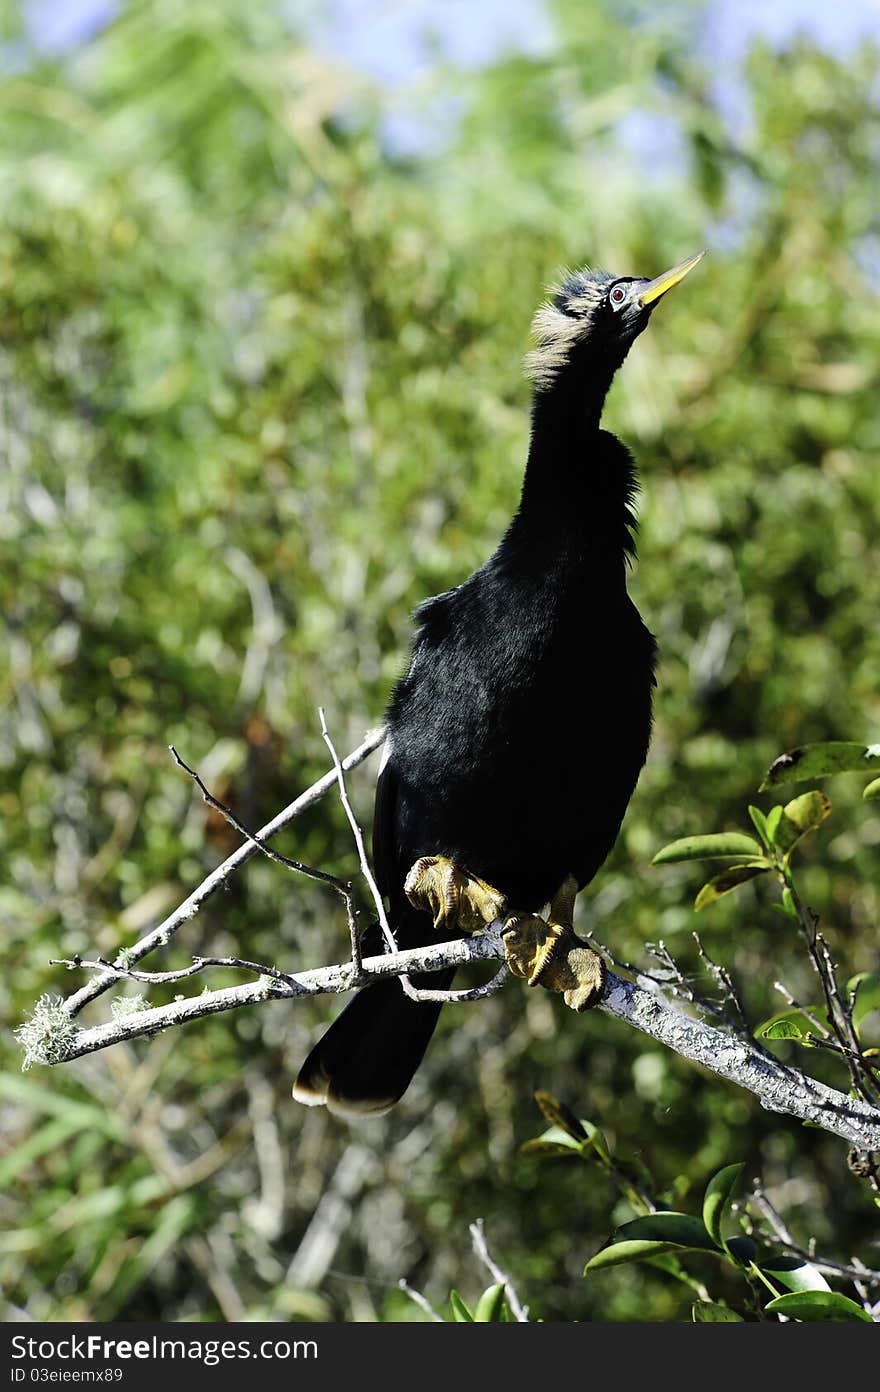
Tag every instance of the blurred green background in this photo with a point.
(261, 324)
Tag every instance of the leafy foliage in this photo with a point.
(260, 396)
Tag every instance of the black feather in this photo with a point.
(518, 733)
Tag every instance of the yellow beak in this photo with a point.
(655, 288)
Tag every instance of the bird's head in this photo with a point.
(592, 318)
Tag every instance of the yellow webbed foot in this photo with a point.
(454, 897)
(529, 945)
(548, 952)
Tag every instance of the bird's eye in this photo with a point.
(617, 296)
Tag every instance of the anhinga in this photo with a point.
(516, 737)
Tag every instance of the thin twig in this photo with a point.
(358, 835)
(805, 1010)
(478, 1237)
(162, 978)
(475, 993)
(414, 993)
(841, 1026)
(418, 1299)
(297, 865)
(342, 887)
(161, 935)
(782, 1237)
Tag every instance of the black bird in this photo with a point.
(516, 737)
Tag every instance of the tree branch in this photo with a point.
(777, 1087)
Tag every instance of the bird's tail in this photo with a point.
(365, 1061)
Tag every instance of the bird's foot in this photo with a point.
(549, 953)
(452, 895)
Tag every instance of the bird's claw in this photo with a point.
(452, 895)
(552, 955)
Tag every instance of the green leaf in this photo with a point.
(718, 1194)
(551, 1144)
(707, 1312)
(760, 824)
(867, 989)
(558, 1114)
(718, 847)
(730, 879)
(460, 1312)
(774, 816)
(596, 1138)
(796, 818)
(817, 1305)
(780, 1029)
(821, 761)
(794, 1273)
(678, 1229)
(619, 1252)
(742, 1249)
(871, 790)
(790, 1024)
(651, 1235)
(490, 1306)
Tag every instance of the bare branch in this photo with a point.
(731, 1004)
(358, 835)
(777, 1087)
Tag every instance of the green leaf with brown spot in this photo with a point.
(730, 879)
(798, 817)
(821, 761)
(558, 1114)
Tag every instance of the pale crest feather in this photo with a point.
(555, 331)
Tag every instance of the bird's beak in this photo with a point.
(655, 288)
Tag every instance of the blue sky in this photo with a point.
(392, 41)
(384, 37)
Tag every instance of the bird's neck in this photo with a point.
(580, 480)
(565, 424)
